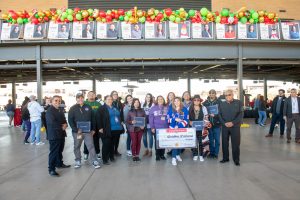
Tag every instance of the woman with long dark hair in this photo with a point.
(262, 111)
(126, 109)
(177, 118)
(148, 144)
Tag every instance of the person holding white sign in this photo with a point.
(158, 120)
(136, 131)
(198, 113)
(178, 117)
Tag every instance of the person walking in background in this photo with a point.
(136, 132)
(119, 119)
(177, 118)
(256, 105)
(291, 114)
(83, 127)
(214, 131)
(126, 109)
(197, 112)
(95, 105)
(148, 143)
(10, 111)
(277, 113)
(262, 111)
(231, 116)
(158, 120)
(35, 111)
(26, 121)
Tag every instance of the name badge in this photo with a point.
(116, 119)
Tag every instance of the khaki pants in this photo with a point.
(88, 141)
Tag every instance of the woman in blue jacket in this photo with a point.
(177, 118)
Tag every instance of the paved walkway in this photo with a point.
(270, 170)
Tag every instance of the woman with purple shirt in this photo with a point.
(158, 120)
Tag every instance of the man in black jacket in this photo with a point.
(82, 122)
(231, 116)
(291, 114)
(56, 133)
(277, 113)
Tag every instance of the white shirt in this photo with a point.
(35, 111)
(295, 109)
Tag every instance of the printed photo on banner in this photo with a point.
(11, 31)
(83, 30)
(35, 31)
(202, 31)
(226, 31)
(107, 30)
(58, 30)
(131, 31)
(290, 30)
(247, 31)
(155, 30)
(269, 31)
(180, 31)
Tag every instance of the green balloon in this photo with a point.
(204, 12)
(25, 20)
(181, 9)
(156, 12)
(70, 12)
(62, 18)
(255, 15)
(243, 20)
(191, 13)
(252, 11)
(177, 20)
(78, 16)
(177, 12)
(225, 12)
(218, 19)
(70, 17)
(142, 19)
(256, 21)
(172, 18)
(90, 11)
(121, 18)
(231, 14)
(20, 20)
(126, 18)
(36, 16)
(129, 13)
(64, 15)
(251, 21)
(58, 12)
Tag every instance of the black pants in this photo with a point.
(107, 148)
(54, 155)
(235, 134)
(158, 152)
(96, 144)
(116, 139)
(60, 156)
(195, 151)
(256, 116)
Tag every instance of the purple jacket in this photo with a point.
(130, 117)
(158, 117)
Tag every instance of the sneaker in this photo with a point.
(96, 164)
(77, 164)
(40, 143)
(276, 125)
(32, 143)
(195, 158)
(201, 158)
(178, 158)
(138, 159)
(98, 156)
(129, 153)
(174, 161)
(85, 157)
(26, 142)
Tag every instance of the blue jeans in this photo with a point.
(35, 132)
(262, 117)
(175, 152)
(145, 141)
(275, 118)
(128, 142)
(28, 128)
(214, 140)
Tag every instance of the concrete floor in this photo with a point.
(270, 170)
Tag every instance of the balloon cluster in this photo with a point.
(136, 15)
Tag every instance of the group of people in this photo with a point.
(90, 120)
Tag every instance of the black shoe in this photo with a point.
(237, 163)
(117, 154)
(53, 173)
(112, 159)
(138, 159)
(224, 161)
(157, 158)
(163, 157)
(64, 166)
(26, 142)
(106, 163)
(134, 159)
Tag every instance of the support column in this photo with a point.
(265, 88)
(13, 92)
(240, 74)
(189, 83)
(39, 78)
(94, 85)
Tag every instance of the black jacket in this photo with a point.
(55, 119)
(262, 106)
(103, 121)
(274, 104)
(215, 121)
(231, 112)
(25, 113)
(78, 113)
(287, 109)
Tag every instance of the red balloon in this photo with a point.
(113, 15)
(236, 20)
(46, 19)
(168, 11)
(108, 18)
(35, 20)
(116, 16)
(102, 14)
(160, 16)
(224, 20)
(76, 10)
(14, 15)
(194, 20)
(121, 12)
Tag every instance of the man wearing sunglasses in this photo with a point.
(231, 116)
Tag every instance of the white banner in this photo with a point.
(11, 32)
(107, 30)
(202, 31)
(247, 31)
(34, 32)
(180, 31)
(83, 30)
(176, 138)
(155, 30)
(58, 30)
(226, 31)
(290, 30)
(131, 31)
(269, 31)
